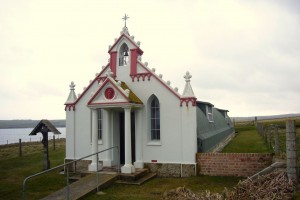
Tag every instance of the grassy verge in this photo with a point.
(247, 141)
(14, 169)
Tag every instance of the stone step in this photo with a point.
(139, 181)
(135, 176)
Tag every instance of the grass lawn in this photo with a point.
(247, 141)
(155, 188)
(14, 169)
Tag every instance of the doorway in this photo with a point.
(122, 137)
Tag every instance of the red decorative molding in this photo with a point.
(109, 93)
(99, 79)
(141, 75)
(187, 100)
(69, 107)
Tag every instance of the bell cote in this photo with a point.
(124, 53)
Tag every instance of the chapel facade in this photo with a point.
(130, 106)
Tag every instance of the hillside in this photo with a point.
(252, 118)
(28, 123)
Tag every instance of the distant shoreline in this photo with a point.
(12, 124)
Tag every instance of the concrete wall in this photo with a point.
(232, 164)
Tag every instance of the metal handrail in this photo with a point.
(67, 169)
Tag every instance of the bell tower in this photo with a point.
(124, 52)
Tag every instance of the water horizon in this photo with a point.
(12, 135)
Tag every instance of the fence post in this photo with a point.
(291, 150)
(20, 147)
(53, 142)
(276, 140)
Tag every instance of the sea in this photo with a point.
(12, 135)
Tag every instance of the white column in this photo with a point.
(128, 168)
(93, 165)
(107, 137)
(138, 140)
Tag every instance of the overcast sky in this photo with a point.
(244, 56)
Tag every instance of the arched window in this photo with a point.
(123, 55)
(155, 119)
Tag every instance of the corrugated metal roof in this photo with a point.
(42, 125)
(212, 133)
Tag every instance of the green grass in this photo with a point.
(14, 169)
(155, 188)
(247, 141)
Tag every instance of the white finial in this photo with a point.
(109, 73)
(168, 82)
(72, 86)
(187, 76)
(153, 69)
(140, 58)
(176, 89)
(132, 37)
(103, 66)
(84, 88)
(72, 96)
(91, 81)
(127, 91)
(146, 64)
(96, 74)
(138, 43)
(188, 91)
(79, 94)
(119, 83)
(160, 76)
(116, 39)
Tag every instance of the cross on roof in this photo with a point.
(125, 18)
(187, 76)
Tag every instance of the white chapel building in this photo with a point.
(130, 106)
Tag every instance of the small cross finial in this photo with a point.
(125, 18)
(72, 86)
(187, 77)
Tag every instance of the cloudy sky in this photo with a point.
(243, 55)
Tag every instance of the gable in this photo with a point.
(124, 39)
(113, 92)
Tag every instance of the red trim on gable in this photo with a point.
(139, 75)
(98, 78)
(69, 106)
(124, 35)
(187, 100)
(102, 86)
(157, 78)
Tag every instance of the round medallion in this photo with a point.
(109, 93)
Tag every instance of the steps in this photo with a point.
(137, 178)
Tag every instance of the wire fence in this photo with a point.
(275, 137)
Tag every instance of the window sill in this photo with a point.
(154, 143)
